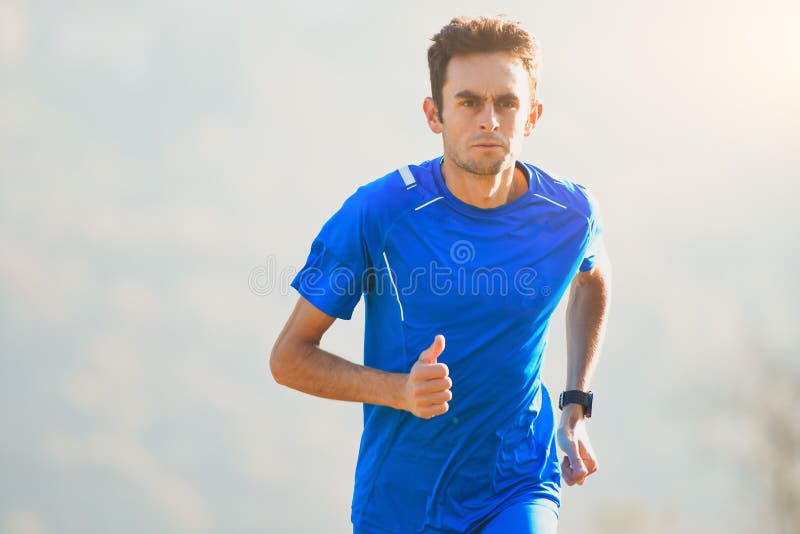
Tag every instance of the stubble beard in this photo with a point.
(488, 166)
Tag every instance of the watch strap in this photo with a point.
(575, 396)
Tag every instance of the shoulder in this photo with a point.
(563, 190)
(374, 208)
(404, 178)
(398, 191)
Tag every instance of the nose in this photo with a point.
(488, 118)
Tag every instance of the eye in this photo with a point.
(468, 103)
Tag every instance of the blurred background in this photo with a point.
(165, 165)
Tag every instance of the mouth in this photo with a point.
(487, 145)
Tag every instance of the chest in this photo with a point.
(445, 268)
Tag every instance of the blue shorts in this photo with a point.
(537, 517)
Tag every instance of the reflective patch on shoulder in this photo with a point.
(427, 203)
(550, 200)
(408, 178)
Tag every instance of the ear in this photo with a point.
(432, 115)
(536, 112)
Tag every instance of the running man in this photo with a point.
(461, 261)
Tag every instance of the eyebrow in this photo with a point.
(467, 94)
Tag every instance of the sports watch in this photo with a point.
(575, 396)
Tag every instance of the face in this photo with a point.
(486, 112)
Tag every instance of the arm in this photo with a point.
(587, 314)
(298, 362)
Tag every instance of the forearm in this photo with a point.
(306, 367)
(587, 315)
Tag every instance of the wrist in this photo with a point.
(398, 391)
(572, 413)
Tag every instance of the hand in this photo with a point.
(427, 389)
(580, 460)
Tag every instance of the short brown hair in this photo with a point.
(470, 35)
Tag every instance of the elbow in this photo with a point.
(277, 366)
(286, 360)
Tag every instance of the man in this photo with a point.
(471, 251)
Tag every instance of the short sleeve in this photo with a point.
(596, 247)
(334, 273)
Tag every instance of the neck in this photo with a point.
(484, 191)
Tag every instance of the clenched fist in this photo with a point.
(427, 389)
(580, 460)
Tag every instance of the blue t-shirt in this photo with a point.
(428, 263)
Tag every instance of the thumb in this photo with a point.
(430, 354)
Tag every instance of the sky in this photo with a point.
(164, 167)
